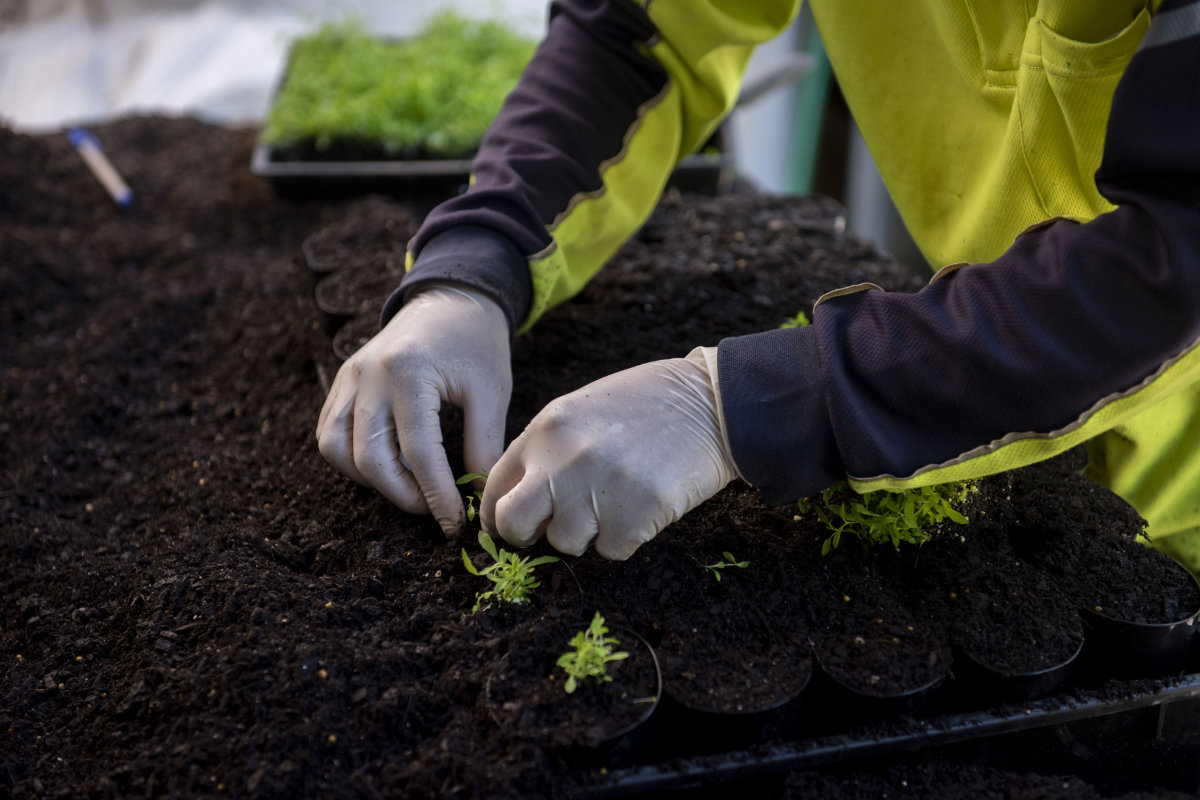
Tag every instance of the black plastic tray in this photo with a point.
(900, 736)
(704, 173)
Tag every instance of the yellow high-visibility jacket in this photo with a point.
(1047, 152)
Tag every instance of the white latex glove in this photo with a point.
(380, 423)
(616, 461)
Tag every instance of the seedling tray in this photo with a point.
(1015, 723)
(428, 180)
(703, 173)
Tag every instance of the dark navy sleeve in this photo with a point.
(469, 255)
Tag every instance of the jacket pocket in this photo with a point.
(1064, 94)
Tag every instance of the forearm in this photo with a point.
(579, 154)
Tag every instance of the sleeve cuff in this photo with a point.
(475, 257)
(775, 415)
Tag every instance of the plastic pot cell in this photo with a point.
(724, 692)
(1017, 639)
(1149, 638)
(603, 722)
(1117, 646)
(1139, 606)
(353, 334)
(980, 679)
(356, 290)
(881, 671)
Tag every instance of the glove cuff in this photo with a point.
(707, 358)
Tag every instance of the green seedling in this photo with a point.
(593, 650)
(431, 94)
(475, 496)
(886, 516)
(728, 561)
(511, 575)
(799, 321)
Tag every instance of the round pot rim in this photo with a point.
(808, 663)
(320, 293)
(310, 260)
(610, 736)
(937, 680)
(1040, 672)
(1192, 620)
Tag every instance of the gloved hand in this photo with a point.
(616, 461)
(380, 423)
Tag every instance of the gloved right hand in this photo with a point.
(380, 423)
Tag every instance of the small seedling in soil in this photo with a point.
(886, 516)
(511, 575)
(475, 496)
(728, 561)
(593, 650)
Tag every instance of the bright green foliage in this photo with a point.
(511, 576)
(435, 92)
(729, 561)
(885, 516)
(799, 321)
(593, 649)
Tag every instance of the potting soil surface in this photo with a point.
(197, 605)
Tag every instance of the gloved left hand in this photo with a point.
(616, 461)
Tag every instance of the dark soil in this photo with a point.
(197, 605)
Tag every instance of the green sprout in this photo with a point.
(886, 516)
(475, 496)
(511, 575)
(593, 649)
(799, 321)
(728, 561)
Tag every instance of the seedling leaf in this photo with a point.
(592, 650)
(511, 575)
(883, 516)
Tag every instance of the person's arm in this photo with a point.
(616, 94)
(994, 366)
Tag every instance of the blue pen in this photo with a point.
(88, 147)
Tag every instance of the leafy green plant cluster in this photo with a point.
(433, 93)
(885, 516)
(511, 575)
(592, 650)
(728, 560)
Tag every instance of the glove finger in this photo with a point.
(573, 526)
(641, 512)
(617, 541)
(420, 437)
(483, 432)
(377, 457)
(503, 476)
(335, 436)
(327, 407)
(518, 515)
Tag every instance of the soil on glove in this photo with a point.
(196, 604)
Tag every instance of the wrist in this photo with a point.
(706, 358)
(472, 257)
